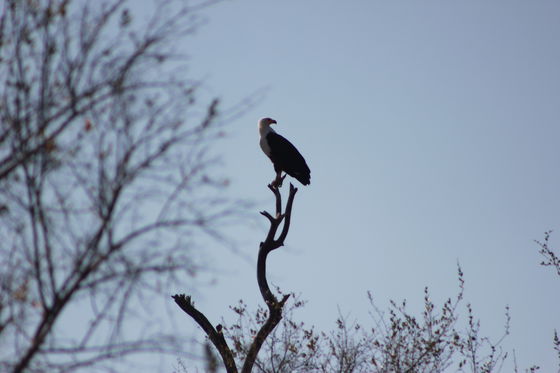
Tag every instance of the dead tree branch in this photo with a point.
(274, 305)
(214, 334)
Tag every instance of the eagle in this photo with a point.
(284, 156)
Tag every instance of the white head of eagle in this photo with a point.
(284, 156)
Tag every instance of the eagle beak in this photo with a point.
(273, 121)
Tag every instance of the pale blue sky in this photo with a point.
(431, 129)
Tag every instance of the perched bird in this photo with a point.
(284, 156)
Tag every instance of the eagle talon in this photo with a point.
(277, 182)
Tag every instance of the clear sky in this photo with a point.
(431, 129)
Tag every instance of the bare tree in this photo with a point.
(247, 353)
(105, 178)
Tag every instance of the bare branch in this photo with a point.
(287, 215)
(273, 319)
(268, 216)
(551, 259)
(275, 189)
(274, 306)
(215, 336)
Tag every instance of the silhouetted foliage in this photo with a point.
(395, 341)
(289, 348)
(441, 339)
(551, 259)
